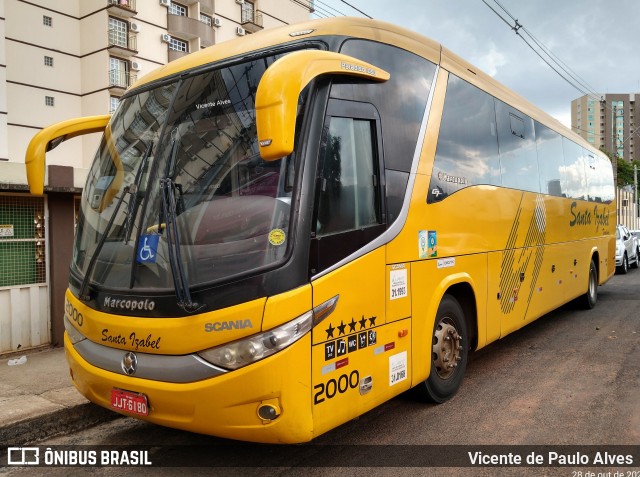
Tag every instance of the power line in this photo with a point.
(567, 73)
(557, 65)
(356, 9)
(321, 12)
(327, 6)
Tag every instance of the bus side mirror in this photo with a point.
(280, 87)
(49, 138)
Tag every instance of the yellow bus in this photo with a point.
(283, 231)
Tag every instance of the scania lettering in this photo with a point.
(290, 228)
(228, 325)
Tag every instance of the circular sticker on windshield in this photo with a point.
(277, 237)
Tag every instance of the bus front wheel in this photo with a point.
(449, 351)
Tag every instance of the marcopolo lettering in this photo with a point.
(227, 325)
(130, 304)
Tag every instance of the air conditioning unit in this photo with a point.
(217, 22)
(240, 31)
(134, 27)
(240, 2)
(165, 37)
(135, 66)
(165, 3)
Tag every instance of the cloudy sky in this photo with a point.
(596, 39)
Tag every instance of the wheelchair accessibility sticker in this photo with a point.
(147, 248)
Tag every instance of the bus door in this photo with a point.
(350, 373)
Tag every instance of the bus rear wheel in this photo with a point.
(449, 351)
(590, 298)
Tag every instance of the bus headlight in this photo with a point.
(254, 348)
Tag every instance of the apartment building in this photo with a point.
(61, 59)
(608, 123)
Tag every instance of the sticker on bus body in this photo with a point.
(397, 368)
(398, 284)
(427, 244)
(422, 244)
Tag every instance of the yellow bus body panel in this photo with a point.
(359, 358)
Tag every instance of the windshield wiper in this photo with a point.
(168, 192)
(134, 202)
(83, 295)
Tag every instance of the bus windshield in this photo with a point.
(184, 156)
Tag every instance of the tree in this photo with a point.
(625, 169)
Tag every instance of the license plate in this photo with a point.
(128, 401)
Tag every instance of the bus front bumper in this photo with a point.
(226, 405)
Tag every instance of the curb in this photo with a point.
(63, 421)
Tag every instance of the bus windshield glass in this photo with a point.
(178, 182)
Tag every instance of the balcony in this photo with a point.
(122, 8)
(251, 20)
(174, 54)
(190, 28)
(122, 44)
(307, 4)
(206, 6)
(120, 80)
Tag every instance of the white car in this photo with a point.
(627, 250)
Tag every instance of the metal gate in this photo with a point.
(24, 291)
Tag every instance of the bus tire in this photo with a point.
(590, 298)
(450, 348)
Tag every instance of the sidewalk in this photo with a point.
(38, 400)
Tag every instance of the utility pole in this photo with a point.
(614, 149)
(614, 153)
(635, 195)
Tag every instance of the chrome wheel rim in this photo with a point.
(447, 348)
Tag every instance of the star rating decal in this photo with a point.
(355, 340)
(330, 331)
(342, 327)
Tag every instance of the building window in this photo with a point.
(49, 101)
(113, 104)
(247, 12)
(178, 45)
(48, 61)
(47, 21)
(118, 72)
(118, 32)
(177, 9)
(206, 19)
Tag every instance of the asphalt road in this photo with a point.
(572, 378)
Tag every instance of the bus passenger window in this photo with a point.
(467, 150)
(574, 179)
(517, 145)
(550, 160)
(347, 195)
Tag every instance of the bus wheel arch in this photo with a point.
(454, 335)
